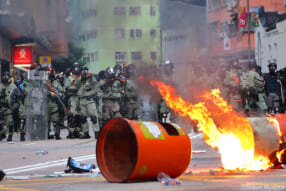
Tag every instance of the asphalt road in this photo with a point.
(28, 172)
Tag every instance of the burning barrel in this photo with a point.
(266, 136)
(131, 150)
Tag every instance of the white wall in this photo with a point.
(272, 46)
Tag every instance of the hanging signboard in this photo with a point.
(242, 17)
(23, 57)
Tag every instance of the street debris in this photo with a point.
(198, 151)
(19, 177)
(42, 153)
(76, 167)
(53, 175)
(2, 175)
(96, 174)
(167, 180)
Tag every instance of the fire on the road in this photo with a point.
(222, 127)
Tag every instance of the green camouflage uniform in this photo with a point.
(130, 97)
(71, 87)
(99, 97)
(86, 96)
(256, 89)
(53, 107)
(5, 110)
(232, 82)
(112, 90)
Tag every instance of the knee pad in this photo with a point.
(93, 119)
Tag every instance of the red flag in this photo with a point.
(242, 17)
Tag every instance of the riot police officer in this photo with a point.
(86, 95)
(130, 93)
(112, 92)
(71, 87)
(55, 104)
(273, 88)
(6, 89)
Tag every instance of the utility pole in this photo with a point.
(248, 30)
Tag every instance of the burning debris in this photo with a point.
(244, 143)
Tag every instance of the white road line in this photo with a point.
(45, 165)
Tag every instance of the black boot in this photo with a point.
(51, 136)
(10, 127)
(22, 137)
(96, 134)
(76, 134)
(57, 129)
(70, 135)
(2, 136)
(9, 139)
(85, 136)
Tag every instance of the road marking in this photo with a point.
(45, 165)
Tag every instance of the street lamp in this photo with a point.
(248, 30)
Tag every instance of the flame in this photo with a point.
(233, 137)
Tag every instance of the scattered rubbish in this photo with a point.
(198, 151)
(61, 172)
(167, 180)
(188, 171)
(20, 177)
(76, 167)
(28, 144)
(53, 175)
(94, 170)
(41, 153)
(2, 175)
(96, 174)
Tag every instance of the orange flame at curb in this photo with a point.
(222, 127)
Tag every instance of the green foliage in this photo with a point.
(75, 55)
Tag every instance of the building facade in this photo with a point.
(41, 24)
(222, 19)
(119, 31)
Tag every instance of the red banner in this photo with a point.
(23, 56)
(242, 17)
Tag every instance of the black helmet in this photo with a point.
(102, 74)
(118, 67)
(76, 68)
(5, 78)
(272, 64)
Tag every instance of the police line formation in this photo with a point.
(80, 95)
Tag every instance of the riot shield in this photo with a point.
(148, 109)
(37, 101)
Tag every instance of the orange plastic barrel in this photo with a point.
(281, 118)
(131, 150)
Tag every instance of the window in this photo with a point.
(88, 13)
(119, 11)
(120, 56)
(86, 58)
(87, 36)
(153, 56)
(152, 11)
(134, 11)
(153, 33)
(132, 33)
(136, 55)
(138, 33)
(119, 33)
(93, 56)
